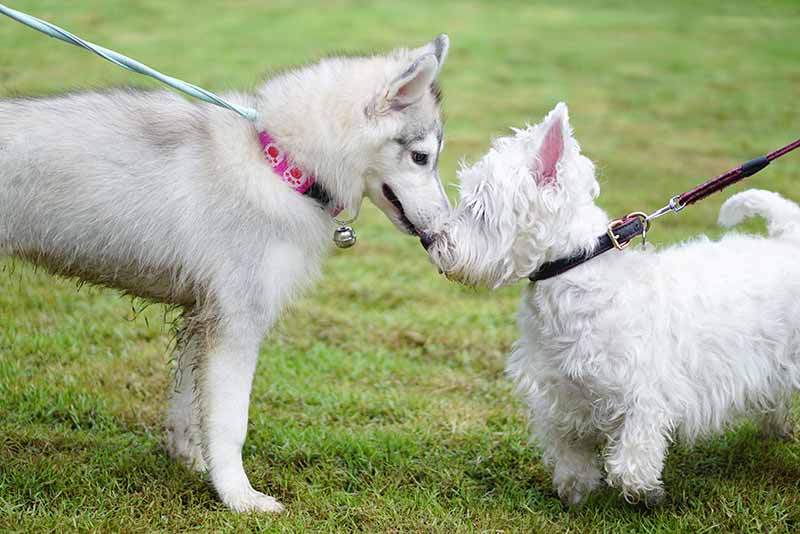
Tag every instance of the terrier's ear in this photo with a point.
(551, 150)
(412, 83)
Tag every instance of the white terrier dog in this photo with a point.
(629, 349)
(192, 206)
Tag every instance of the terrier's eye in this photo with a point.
(420, 158)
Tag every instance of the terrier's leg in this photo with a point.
(183, 417)
(555, 419)
(635, 456)
(224, 382)
(576, 473)
(779, 423)
(575, 461)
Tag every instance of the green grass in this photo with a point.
(392, 413)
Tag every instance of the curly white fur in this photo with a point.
(625, 352)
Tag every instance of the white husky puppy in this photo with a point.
(190, 205)
(632, 348)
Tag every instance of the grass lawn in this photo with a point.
(391, 413)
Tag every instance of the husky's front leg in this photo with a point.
(224, 381)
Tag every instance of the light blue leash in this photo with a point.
(126, 62)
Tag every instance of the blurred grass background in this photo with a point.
(391, 412)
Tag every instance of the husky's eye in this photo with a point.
(420, 158)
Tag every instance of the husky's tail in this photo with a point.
(783, 216)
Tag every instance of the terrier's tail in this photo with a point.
(782, 215)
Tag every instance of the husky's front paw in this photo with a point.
(250, 500)
(184, 446)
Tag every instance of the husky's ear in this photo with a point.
(439, 48)
(412, 84)
(544, 166)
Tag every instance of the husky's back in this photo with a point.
(123, 160)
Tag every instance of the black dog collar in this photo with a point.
(619, 235)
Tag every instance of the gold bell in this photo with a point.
(344, 237)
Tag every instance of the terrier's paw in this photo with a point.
(651, 497)
(654, 498)
(184, 446)
(574, 490)
(789, 435)
(573, 499)
(575, 496)
(781, 430)
(250, 500)
(638, 476)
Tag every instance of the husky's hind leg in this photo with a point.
(183, 416)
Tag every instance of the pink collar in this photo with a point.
(297, 178)
(283, 166)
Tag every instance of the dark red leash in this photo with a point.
(732, 176)
(621, 231)
(749, 168)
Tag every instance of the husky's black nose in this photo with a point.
(426, 239)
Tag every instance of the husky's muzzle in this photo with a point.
(392, 198)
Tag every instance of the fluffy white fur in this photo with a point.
(172, 201)
(620, 355)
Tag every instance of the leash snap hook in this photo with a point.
(675, 205)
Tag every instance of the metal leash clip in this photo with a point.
(673, 205)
